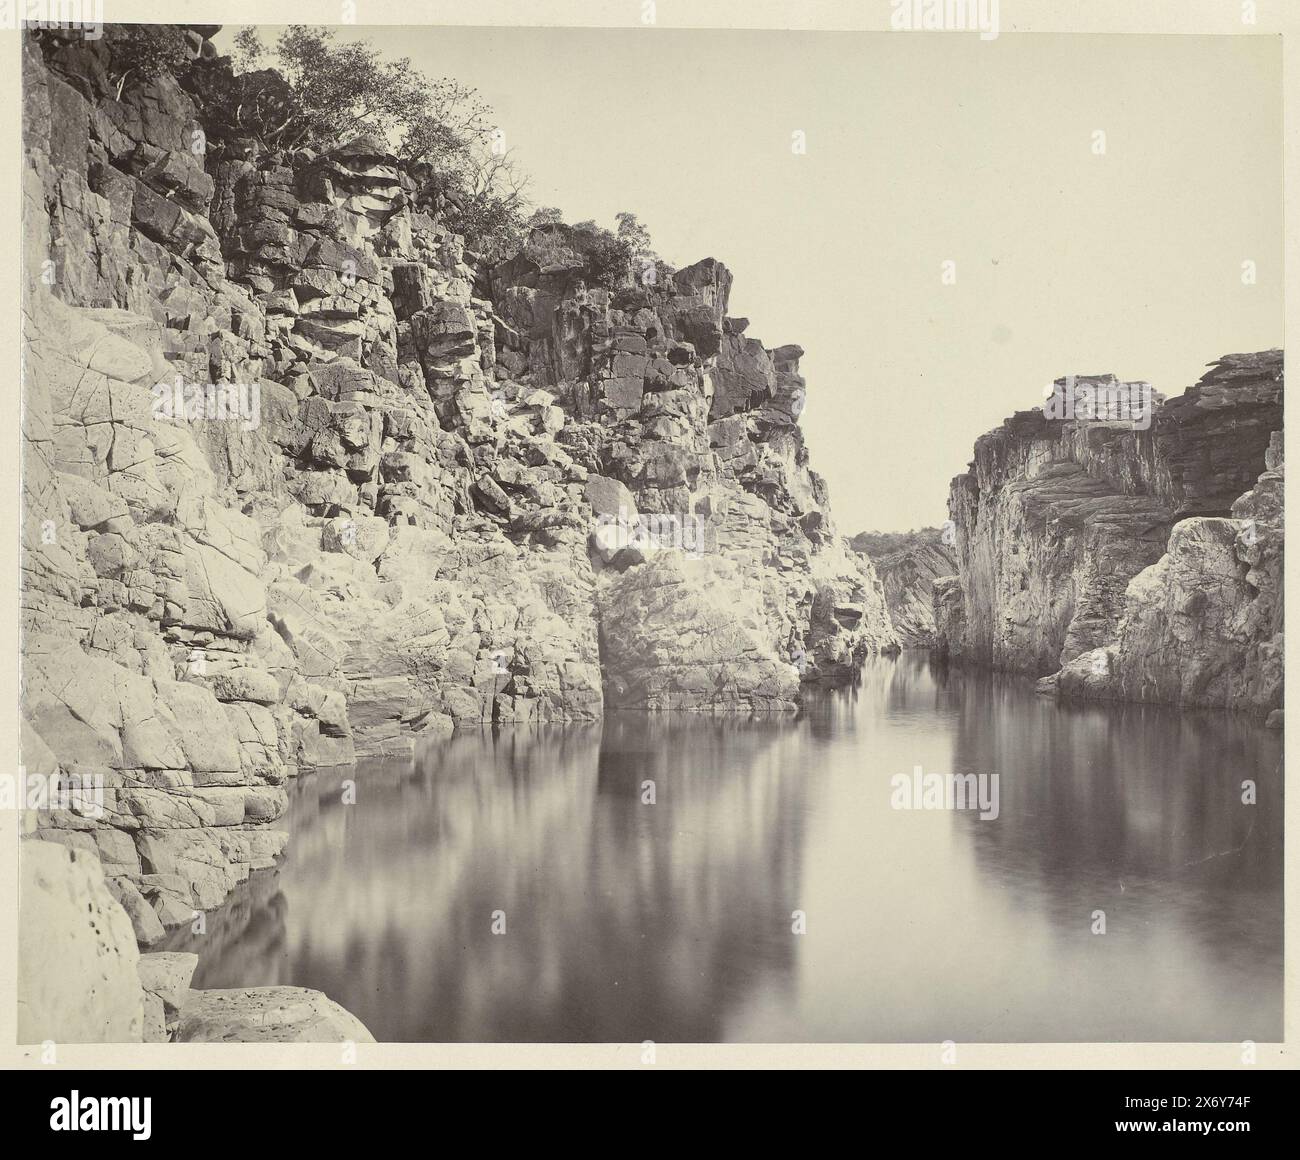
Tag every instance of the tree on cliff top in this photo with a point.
(344, 89)
(616, 260)
(632, 231)
(125, 56)
(139, 52)
(321, 92)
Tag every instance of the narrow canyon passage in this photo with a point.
(519, 885)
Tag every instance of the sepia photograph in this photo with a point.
(642, 533)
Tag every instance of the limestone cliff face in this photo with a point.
(720, 578)
(1203, 625)
(383, 491)
(1096, 546)
(908, 564)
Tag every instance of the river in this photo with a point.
(684, 879)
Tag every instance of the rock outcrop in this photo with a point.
(165, 980)
(1202, 626)
(81, 978)
(268, 1015)
(949, 617)
(908, 564)
(1127, 559)
(697, 477)
(304, 481)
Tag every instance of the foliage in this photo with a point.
(257, 104)
(648, 269)
(323, 92)
(311, 90)
(544, 215)
(608, 257)
(248, 49)
(637, 237)
(614, 260)
(140, 52)
(488, 197)
(341, 89)
(883, 543)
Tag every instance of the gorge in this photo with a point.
(482, 555)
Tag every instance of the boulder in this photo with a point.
(610, 498)
(165, 978)
(77, 957)
(686, 634)
(267, 1015)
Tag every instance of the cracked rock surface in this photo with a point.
(1119, 563)
(304, 481)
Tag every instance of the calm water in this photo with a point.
(673, 922)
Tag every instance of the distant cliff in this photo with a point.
(908, 563)
(306, 481)
(1142, 564)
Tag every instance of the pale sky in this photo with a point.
(921, 148)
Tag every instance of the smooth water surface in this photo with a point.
(673, 921)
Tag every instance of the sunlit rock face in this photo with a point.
(688, 433)
(77, 957)
(267, 1015)
(304, 481)
(1143, 560)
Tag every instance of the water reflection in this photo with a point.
(673, 921)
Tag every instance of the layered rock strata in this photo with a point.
(1202, 626)
(305, 481)
(1147, 562)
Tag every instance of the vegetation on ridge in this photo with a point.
(310, 90)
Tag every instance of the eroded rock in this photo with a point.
(1124, 562)
(77, 956)
(305, 482)
(267, 1015)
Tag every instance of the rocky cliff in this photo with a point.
(304, 481)
(908, 563)
(1147, 562)
(1203, 625)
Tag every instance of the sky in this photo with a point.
(1074, 253)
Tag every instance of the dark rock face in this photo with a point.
(908, 564)
(1067, 529)
(302, 485)
(949, 617)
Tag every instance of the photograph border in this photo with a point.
(1017, 17)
